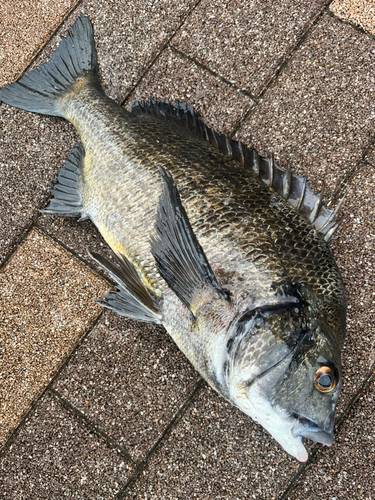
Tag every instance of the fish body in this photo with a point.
(219, 245)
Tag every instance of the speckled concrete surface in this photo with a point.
(46, 305)
(56, 456)
(77, 236)
(176, 78)
(216, 452)
(347, 469)
(130, 380)
(318, 113)
(33, 149)
(245, 42)
(358, 12)
(354, 253)
(322, 117)
(25, 26)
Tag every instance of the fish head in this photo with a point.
(283, 369)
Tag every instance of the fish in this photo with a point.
(221, 246)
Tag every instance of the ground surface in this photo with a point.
(93, 406)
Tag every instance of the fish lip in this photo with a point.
(307, 429)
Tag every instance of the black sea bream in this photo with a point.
(219, 245)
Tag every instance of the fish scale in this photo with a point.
(219, 245)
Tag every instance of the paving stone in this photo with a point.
(55, 455)
(46, 305)
(33, 149)
(358, 12)
(347, 469)
(354, 253)
(245, 42)
(128, 37)
(319, 115)
(215, 452)
(77, 236)
(25, 27)
(129, 379)
(176, 78)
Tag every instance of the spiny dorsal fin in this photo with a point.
(291, 187)
(180, 259)
(132, 299)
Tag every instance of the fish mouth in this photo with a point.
(307, 429)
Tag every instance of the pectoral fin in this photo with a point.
(132, 299)
(180, 259)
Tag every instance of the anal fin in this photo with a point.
(132, 299)
(67, 199)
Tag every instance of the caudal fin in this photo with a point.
(39, 90)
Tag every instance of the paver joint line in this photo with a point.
(141, 466)
(29, 414)
(287, 58)
(351, 23)
(213, 73)
(154, 60)
(92, 425)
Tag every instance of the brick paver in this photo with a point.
(47, 303)
(358, 12)
(24, 28)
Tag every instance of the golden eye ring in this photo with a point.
(325, 380)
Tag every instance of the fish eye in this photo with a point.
(325, 380)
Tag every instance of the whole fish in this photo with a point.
(221, 246)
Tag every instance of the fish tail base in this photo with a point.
(40, 90)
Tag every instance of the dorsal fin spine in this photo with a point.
(287, 182)
(256, 168)
(242, 156)
(271, 169)
(318, 204)
(302, 195)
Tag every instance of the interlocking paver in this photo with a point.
(129, 379)
(358, 12)
(33, 148)
(215, 451)
(46, 305)
(245, 42)
(176, 78)
(57, 456)
(354, 253)
(319, 115)
(24, 27)
(347, 469)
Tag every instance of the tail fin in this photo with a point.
(39, 90)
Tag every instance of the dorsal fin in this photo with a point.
(291, 187)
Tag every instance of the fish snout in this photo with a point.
(307, 429)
